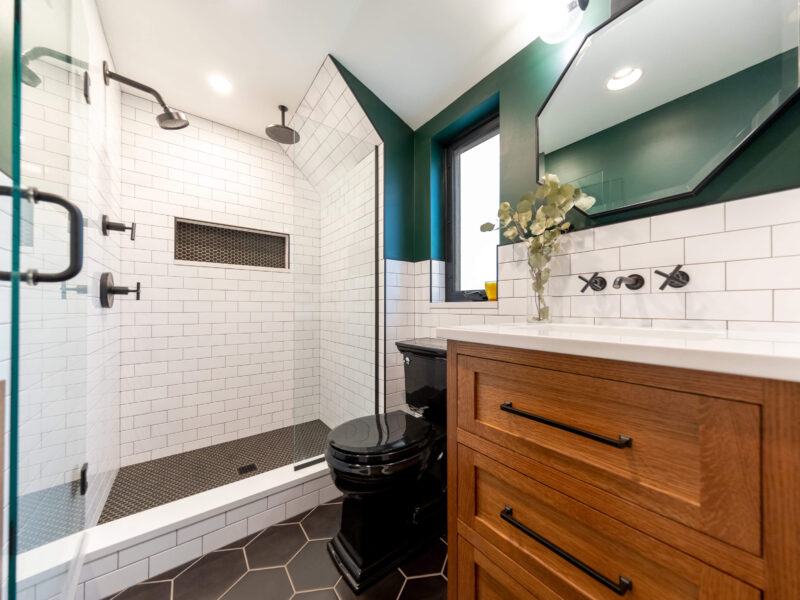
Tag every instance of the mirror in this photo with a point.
(659, 99)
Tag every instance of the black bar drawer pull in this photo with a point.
(622, 442)
(75, 237)
(620, 588)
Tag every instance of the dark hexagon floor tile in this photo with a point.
(323, 522)
(317, 595)
(313, 568)
(147, 591)
(386, 589)
(275, 546)
(210, 576)
(425, 588)
(270, 583)
(430, 562)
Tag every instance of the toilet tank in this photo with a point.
(425, 369)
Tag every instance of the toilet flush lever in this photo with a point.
(108, 290)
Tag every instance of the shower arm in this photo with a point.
(37, 52)
(109, 74)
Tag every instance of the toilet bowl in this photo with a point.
(391, 470)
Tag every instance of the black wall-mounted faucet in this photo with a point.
(596, 282)
(632, 282)
(108, 290)
(675, 279)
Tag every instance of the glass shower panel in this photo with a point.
(335, 295)
(49, 320)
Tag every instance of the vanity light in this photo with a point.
(220, 84)
(560, 19)
(624, 78)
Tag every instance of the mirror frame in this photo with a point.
(706, 180)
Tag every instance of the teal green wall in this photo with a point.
(414, 217)
(649, 156)
(398, 150)
(520, 85)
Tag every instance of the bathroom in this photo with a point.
(265, 334)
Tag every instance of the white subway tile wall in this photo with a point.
(207, 353)
(743, 258)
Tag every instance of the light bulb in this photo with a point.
(624, 78)
(560, 19)
(220, 84)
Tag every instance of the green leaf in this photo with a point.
(524, 206)
(487, 227)
(585, 202)
(567, 190)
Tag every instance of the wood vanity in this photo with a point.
(585, 477)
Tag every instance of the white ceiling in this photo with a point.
(416, 55)
(681, 46)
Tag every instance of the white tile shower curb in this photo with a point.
(134, 548)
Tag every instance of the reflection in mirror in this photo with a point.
(658, 99)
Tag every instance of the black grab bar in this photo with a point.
(75, 237)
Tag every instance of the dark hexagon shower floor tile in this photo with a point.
(299, 568)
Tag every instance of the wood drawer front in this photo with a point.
(694, 459)
(609, 547)
(484, 578)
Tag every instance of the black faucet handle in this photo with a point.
(674, 279)
(108, 225)
(595, 282)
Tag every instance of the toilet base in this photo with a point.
(360, 579)
(381, 531)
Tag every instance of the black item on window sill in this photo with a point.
(475, 296)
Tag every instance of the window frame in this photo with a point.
(475, 135)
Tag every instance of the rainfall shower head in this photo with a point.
(29, 76)
(169, 119)
(281, 133)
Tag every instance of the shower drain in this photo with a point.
(244, 470)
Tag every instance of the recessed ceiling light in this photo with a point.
(220, 84)
(624, 78)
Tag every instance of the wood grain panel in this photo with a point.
(607, 545)
(484, 578)
(695, 459)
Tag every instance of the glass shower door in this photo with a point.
(335, 309)
(47, 291)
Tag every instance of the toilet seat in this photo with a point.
(380, 444)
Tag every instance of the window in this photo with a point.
(472, 187)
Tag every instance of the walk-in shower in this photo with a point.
(255, 329)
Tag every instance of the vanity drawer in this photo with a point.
(694, 459)
(575, 550)
(482, 577)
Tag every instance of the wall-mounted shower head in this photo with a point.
(29, 76)
(282, 133)
(169, 119)
(172, 119)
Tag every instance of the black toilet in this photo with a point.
(391, 470)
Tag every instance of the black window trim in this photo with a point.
(475, 135)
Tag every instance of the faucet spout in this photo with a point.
(632, 282)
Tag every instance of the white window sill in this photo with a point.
(452, 305)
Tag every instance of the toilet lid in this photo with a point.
(380, 434)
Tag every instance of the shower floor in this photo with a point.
(156, 482)
(51, 514)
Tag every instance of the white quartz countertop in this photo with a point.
(753, 353)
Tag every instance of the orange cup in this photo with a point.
(491, 290)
